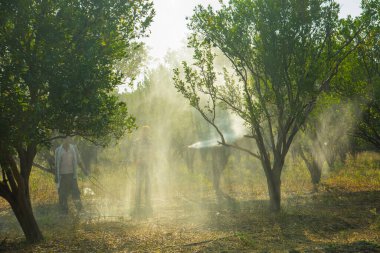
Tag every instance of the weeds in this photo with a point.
(342, 217)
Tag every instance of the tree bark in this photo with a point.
(313, 168)
(22, 209)
(219, 160)
(15, 189)
(274, 188)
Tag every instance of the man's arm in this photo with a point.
(56, 165)
(80, 161)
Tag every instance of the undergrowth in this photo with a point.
(342, 217)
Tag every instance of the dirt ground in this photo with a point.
(329, 221)
(344, 216)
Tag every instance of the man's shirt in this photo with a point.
(67, 161)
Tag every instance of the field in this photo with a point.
(343, 216)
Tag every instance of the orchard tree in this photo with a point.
(325, 137)
(368, 61)
(359, 76)
(57, 75)
(284, 55)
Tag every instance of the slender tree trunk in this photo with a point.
(22, 209)
(274, 188)
(330, 158)
(313, 168)
(16, 192)
(315, 173)
(219, 157)
(273, 175)
(215, 182)
(216, 173)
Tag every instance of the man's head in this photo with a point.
(67, 141)
(145, 132)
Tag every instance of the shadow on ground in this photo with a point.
(331, 221)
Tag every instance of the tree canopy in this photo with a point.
(358, 79)
(283, 55)
(58, 78)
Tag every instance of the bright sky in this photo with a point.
(169, 29)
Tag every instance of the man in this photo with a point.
(67, 159)
(142, 157)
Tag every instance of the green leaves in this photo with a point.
(57, 66)
(200, 79)
(283, 55)
(359, 76)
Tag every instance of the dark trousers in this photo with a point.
(143, 187)
(68, 186)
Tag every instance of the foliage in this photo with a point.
(57, 67)
(284, 55)
(369, 59)
(57, 78)
(326, 137)
(359, 77)
(360, 173)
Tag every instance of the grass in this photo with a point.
(342, 217)
(360, 173)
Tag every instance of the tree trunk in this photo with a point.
(219, 160)
(215, 182)
(22, 209)
(274, 188)
(15, 189)
(315, 172)
(216, 173)
(313, 168)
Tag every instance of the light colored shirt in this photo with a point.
(142, 153)
(67, 161)
(58, 159)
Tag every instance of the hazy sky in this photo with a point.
(169, 29)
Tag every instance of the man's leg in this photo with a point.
(76, 195)
(137, 210)
(62, 194)
(148, 193)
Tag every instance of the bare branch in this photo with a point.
(241, 148)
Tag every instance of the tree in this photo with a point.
(325, 137)
(367, 60)
(359, 76)
(283, 54)
(57, 77)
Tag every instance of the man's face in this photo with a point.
(67, 141)
(145, 134)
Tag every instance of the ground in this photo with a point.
(342, 217)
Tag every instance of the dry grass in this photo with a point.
(342, 217)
